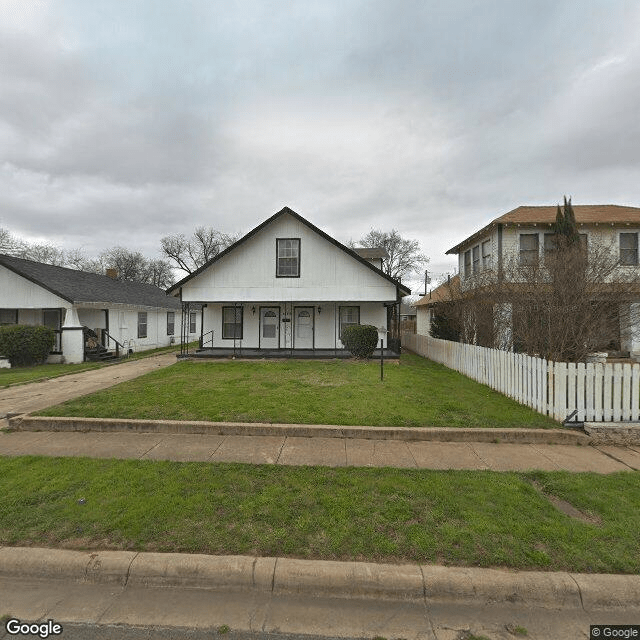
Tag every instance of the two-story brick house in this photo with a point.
(525, 235)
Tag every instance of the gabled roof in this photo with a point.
(287, 211)
(612, 214)
(442, 293)
(79, 286)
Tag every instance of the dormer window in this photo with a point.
(288, 258)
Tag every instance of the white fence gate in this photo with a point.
(598, 392)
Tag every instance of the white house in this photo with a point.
(126, 315)
(288, 288)
(523, 235)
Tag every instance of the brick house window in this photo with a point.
(629, 248)
(529, 248)
(486, 254)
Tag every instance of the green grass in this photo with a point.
(415, 393)
(462, 518)
(22, 375)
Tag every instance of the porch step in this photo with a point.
(100, 355)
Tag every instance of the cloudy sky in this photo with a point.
(124, 121)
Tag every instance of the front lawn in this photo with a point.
(415, 393)
(461, 518)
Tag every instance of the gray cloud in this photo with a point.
(150, 118)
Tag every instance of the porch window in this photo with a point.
(529, 248)
(8, 316)
(476, 259)
(486, 254)
(288, 257)
(629, 248)
(52, 318)
(142, 324)
(192, 322)
(348, 317)
(171, 323)
(232, 323)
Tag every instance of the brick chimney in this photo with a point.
(112, 273)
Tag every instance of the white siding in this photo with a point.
(19, 293)
(327, 273)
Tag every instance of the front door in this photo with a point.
(303, 328)
(269, 327)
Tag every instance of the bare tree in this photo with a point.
(76, 259)
(132, 266)
(49, 254)
(189, 254)
(160, 273)
(7, 242)
(405, 256)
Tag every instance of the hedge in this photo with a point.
(24, 345)
(360, 339)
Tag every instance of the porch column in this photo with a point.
(72, 338)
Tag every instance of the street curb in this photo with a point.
(407, 434)
(344, 580)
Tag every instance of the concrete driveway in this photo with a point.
(35, 396)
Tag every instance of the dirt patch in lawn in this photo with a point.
(567, 508)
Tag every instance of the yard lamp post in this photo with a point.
(381, 334)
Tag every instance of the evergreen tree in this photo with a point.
(566, 228)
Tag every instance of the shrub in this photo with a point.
(360, 339)
(25, 345)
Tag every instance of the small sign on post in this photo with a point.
(381, 334)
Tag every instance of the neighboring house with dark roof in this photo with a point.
(138, 316)
(288, 288)
(523, 235)
(375, 255)
(426, 306)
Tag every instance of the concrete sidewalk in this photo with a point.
(324, 451)
(35, 396)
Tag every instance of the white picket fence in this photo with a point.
(599, 392)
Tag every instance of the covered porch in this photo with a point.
(306, 354)
(301, 329)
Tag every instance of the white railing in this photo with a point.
(598, 392)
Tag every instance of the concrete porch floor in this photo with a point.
(306, 354)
